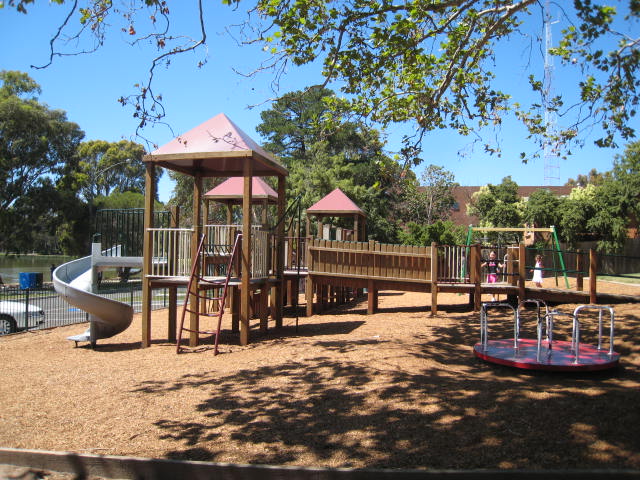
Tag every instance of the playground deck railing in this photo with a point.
(370, 260)
(453, 264)
(172, 249)
(295, 253)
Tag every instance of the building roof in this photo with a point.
(232, 190)
(335, 204)
(215, 148)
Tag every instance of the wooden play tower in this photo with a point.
(216, 148)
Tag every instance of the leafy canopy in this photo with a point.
(431, 63)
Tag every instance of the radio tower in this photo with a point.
(551, 157)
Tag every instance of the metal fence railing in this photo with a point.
(125, 228)
(40, 308)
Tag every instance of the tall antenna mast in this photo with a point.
(551, 153)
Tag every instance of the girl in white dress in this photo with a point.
(537, 271)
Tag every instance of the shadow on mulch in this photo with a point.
(455, 412)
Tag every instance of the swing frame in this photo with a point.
(524, 230)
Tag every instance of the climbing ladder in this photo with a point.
(200, 288)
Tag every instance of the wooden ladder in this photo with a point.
(201, 291)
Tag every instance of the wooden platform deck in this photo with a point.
(334, 266)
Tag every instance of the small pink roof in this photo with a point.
(336, 203)
(215, 148)
(232, 191)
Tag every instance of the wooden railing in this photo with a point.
(295, 253)
(453, 263)
(170, 251)
(371, 260)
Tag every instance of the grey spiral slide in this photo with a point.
(107, 317)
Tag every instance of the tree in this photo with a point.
(37, 152)
(36, 142)
(107, 167)
(592, 178)
(578, 208)
(421, 61)
(626, 170)
(349, 155)
(443, 232)
(433, 200)
(543, 209)
(497, 205)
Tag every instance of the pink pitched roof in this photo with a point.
(335, 203)
(232, 191)
(217, 147)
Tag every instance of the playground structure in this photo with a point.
(270, 266)
(544, 352)
(216, 148)
(431, 270)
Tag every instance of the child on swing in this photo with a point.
(493, 268)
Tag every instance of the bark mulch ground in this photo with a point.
(398, 389)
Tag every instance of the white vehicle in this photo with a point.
(13, 318)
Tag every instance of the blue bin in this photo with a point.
(30, 280)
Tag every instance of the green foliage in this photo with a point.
(322, 155)
(543, 209)
(37, 153)
(430, 63)
(497, 205)
(122, 200)
(592, 178)
(106, 167)
(576, 211)
(433, 200)
(443, 232)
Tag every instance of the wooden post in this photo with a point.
(522, 271)
(245, 280)
(173, 314)
(149, 197)
(263, 309)
(230, 216)
(593, 277)
(194, 320)
(174, 222)
(235, 308)
(434, 278)
(309, 286)
(579, 275)
(372, 297)
(205, 210)
(279, 263)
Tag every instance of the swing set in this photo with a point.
(525, 231)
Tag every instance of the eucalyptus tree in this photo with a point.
(37, 153)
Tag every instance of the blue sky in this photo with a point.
(87, 88)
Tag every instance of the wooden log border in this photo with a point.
(84, 465)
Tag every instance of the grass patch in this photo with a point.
(632, 278)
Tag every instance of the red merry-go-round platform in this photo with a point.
(561, 358)
(545, 353)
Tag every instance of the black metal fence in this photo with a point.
(40, 308)
(125, 228)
